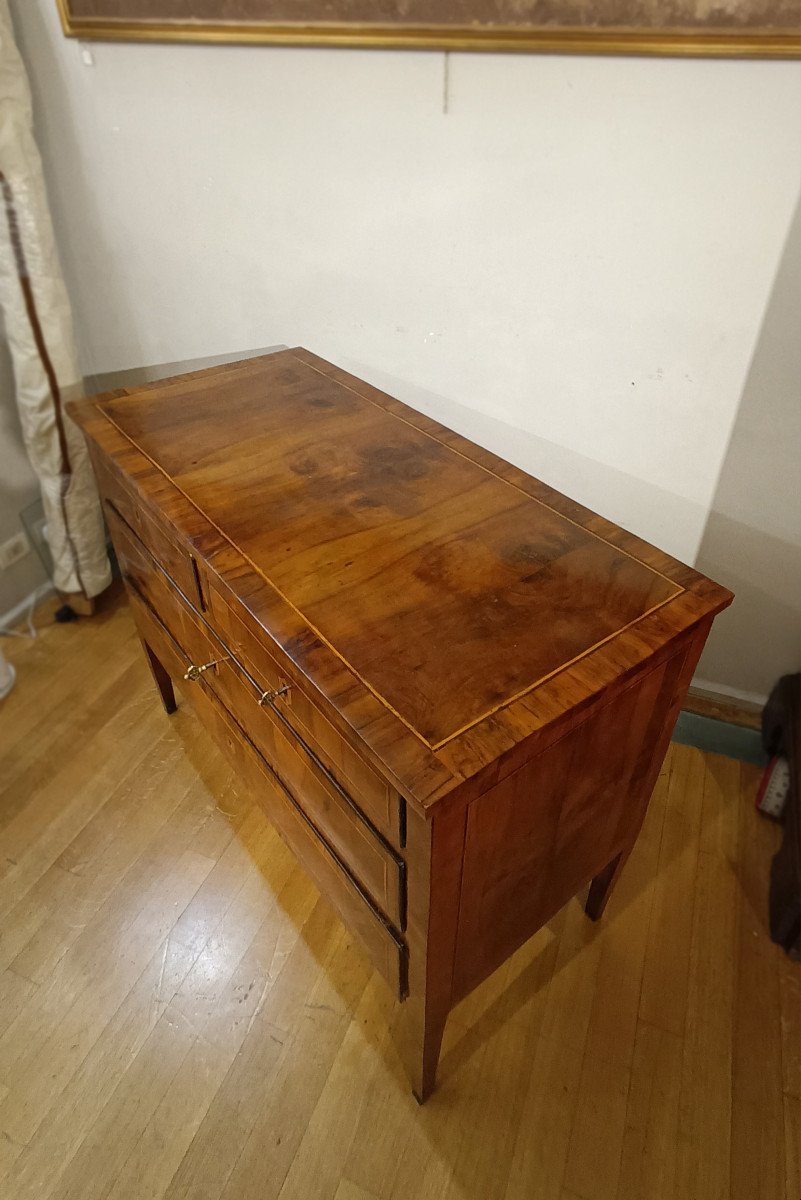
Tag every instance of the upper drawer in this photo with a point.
(162, 542)
(144, 578)
(377, 799)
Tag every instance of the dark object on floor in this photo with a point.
(77, 602)
(65, 614)
(781, 734)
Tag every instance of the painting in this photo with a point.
(734, 28)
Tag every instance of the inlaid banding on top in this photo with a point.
(446, 589)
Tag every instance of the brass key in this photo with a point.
(268, 697)
(192, 672)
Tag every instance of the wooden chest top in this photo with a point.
(473, 603)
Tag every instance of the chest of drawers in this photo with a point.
(450, 687)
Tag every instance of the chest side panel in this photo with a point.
(537, 838)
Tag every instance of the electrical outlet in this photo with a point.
(35, 525)
(13, 550)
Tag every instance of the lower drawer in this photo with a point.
(373, 861)
(334, 879)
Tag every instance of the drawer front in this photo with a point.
(140, 560)
(140, 572)
(335, 881)
(150, 589)
(176, 648)
(120, 503)
(378, 867)
(382, 804)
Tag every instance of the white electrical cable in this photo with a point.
(7, 677)
(32, 631)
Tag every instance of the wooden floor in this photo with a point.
(181, 1015)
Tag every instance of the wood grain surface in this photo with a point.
(444, 588)
(448, 606)
(435, 594)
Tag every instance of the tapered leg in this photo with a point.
(425, 1076)
(422, 1041)
(602, 886)
(435, 849)
(161, 680)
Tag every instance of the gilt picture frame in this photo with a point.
(700, 28)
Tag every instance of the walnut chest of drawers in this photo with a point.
(450, 687)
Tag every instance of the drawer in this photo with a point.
(120, 503)
(142, 573)
(337, 883)
(377, 865)
(372, 795)
(379, 868)
(382, 804)
(176, 648)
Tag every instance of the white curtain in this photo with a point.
(38, 325)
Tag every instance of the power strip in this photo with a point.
(774, 788)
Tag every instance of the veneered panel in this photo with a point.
(536, 838)
(446, 589)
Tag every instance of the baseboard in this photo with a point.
(706, 702)
(720, 737)
(724, 692)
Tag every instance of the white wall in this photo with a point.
(752, 539)
(570, 265)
